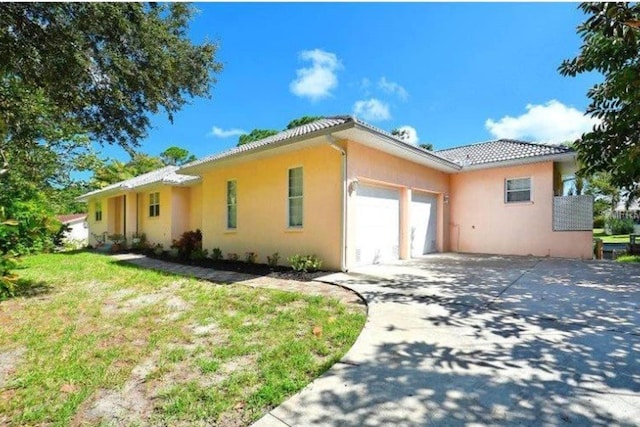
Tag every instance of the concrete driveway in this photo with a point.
(480, 340)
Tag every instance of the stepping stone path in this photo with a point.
(270, 281)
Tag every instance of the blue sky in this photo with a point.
(454, 73)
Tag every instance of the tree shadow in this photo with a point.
(554, 343)
(26, 288)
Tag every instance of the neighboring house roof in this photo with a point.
(501, 150)
(635, 206)
(66, 219)
(166, 175)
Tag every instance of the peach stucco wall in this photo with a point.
(481, 222)
(262, 221)
(158, 229)
(195, 211)
(97, 228)
(371, 166)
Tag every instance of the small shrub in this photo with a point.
(117, 239)
(139, 241)
(619, 226)
(8, 279)
(199, 254)
(598, 221)
(273, 259)
(231, 256)
(187, 243)
(250, 257)
(216, 254)
(305, 263)
(158, 249)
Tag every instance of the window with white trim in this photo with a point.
(232, 205)
(154, 204)
(295, 197)
(517, 190)
(98, 211)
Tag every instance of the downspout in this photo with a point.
(333, 143)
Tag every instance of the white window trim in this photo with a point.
(530, 201)
(288, 205)
(154, 204)
(231, 229)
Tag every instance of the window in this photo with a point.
(98, 211)
(295, 197)
(517, 190)
(154, 204)
(232, 204)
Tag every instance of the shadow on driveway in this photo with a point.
(460, 340)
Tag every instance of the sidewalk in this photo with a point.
(218, 276)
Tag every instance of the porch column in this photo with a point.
(405, 223)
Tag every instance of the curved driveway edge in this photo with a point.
(484, 340)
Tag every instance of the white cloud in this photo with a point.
(371, 110)
(552, 122)
(393, 88)
(221, 133)
(408, 134)
(319, 79)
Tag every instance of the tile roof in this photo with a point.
(318, 125)
(499, 151)
(71, 217)
(165, 175)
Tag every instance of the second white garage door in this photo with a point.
(378, 225)
(423, 223)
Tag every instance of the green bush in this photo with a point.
(216, 254)
(7, 278)
(598, 221)
(305, 263)
(199, 254)
(619, 226)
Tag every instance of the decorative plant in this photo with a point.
(231, 256)
(158, 249)
(305, 263)
(250, 257)
(187, 243)
(273, 259)
(216, 254)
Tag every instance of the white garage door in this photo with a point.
(423, 223)
(378, 225)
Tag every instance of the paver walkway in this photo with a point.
(219, 276)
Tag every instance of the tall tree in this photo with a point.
(95, 69)
(611, 46)
(116, 171)
(176, 156)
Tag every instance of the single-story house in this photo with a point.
(353, 194)
(78, 227)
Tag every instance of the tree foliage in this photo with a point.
(95, 69)
(611, 46)
(302, 121)
(255, 135)
(176, 156)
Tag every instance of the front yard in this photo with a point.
(102, 343)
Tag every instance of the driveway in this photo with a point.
(484, 340)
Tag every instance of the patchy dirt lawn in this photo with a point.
(107, 344)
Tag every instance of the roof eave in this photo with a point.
(439, 162)
(569, 156)
(195, 169)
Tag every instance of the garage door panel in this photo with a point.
(378, 225)
(423, 224)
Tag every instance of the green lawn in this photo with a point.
(106, 344)
(617, 238)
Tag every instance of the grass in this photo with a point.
(618, 238)
(628, 258)
(105, 343)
